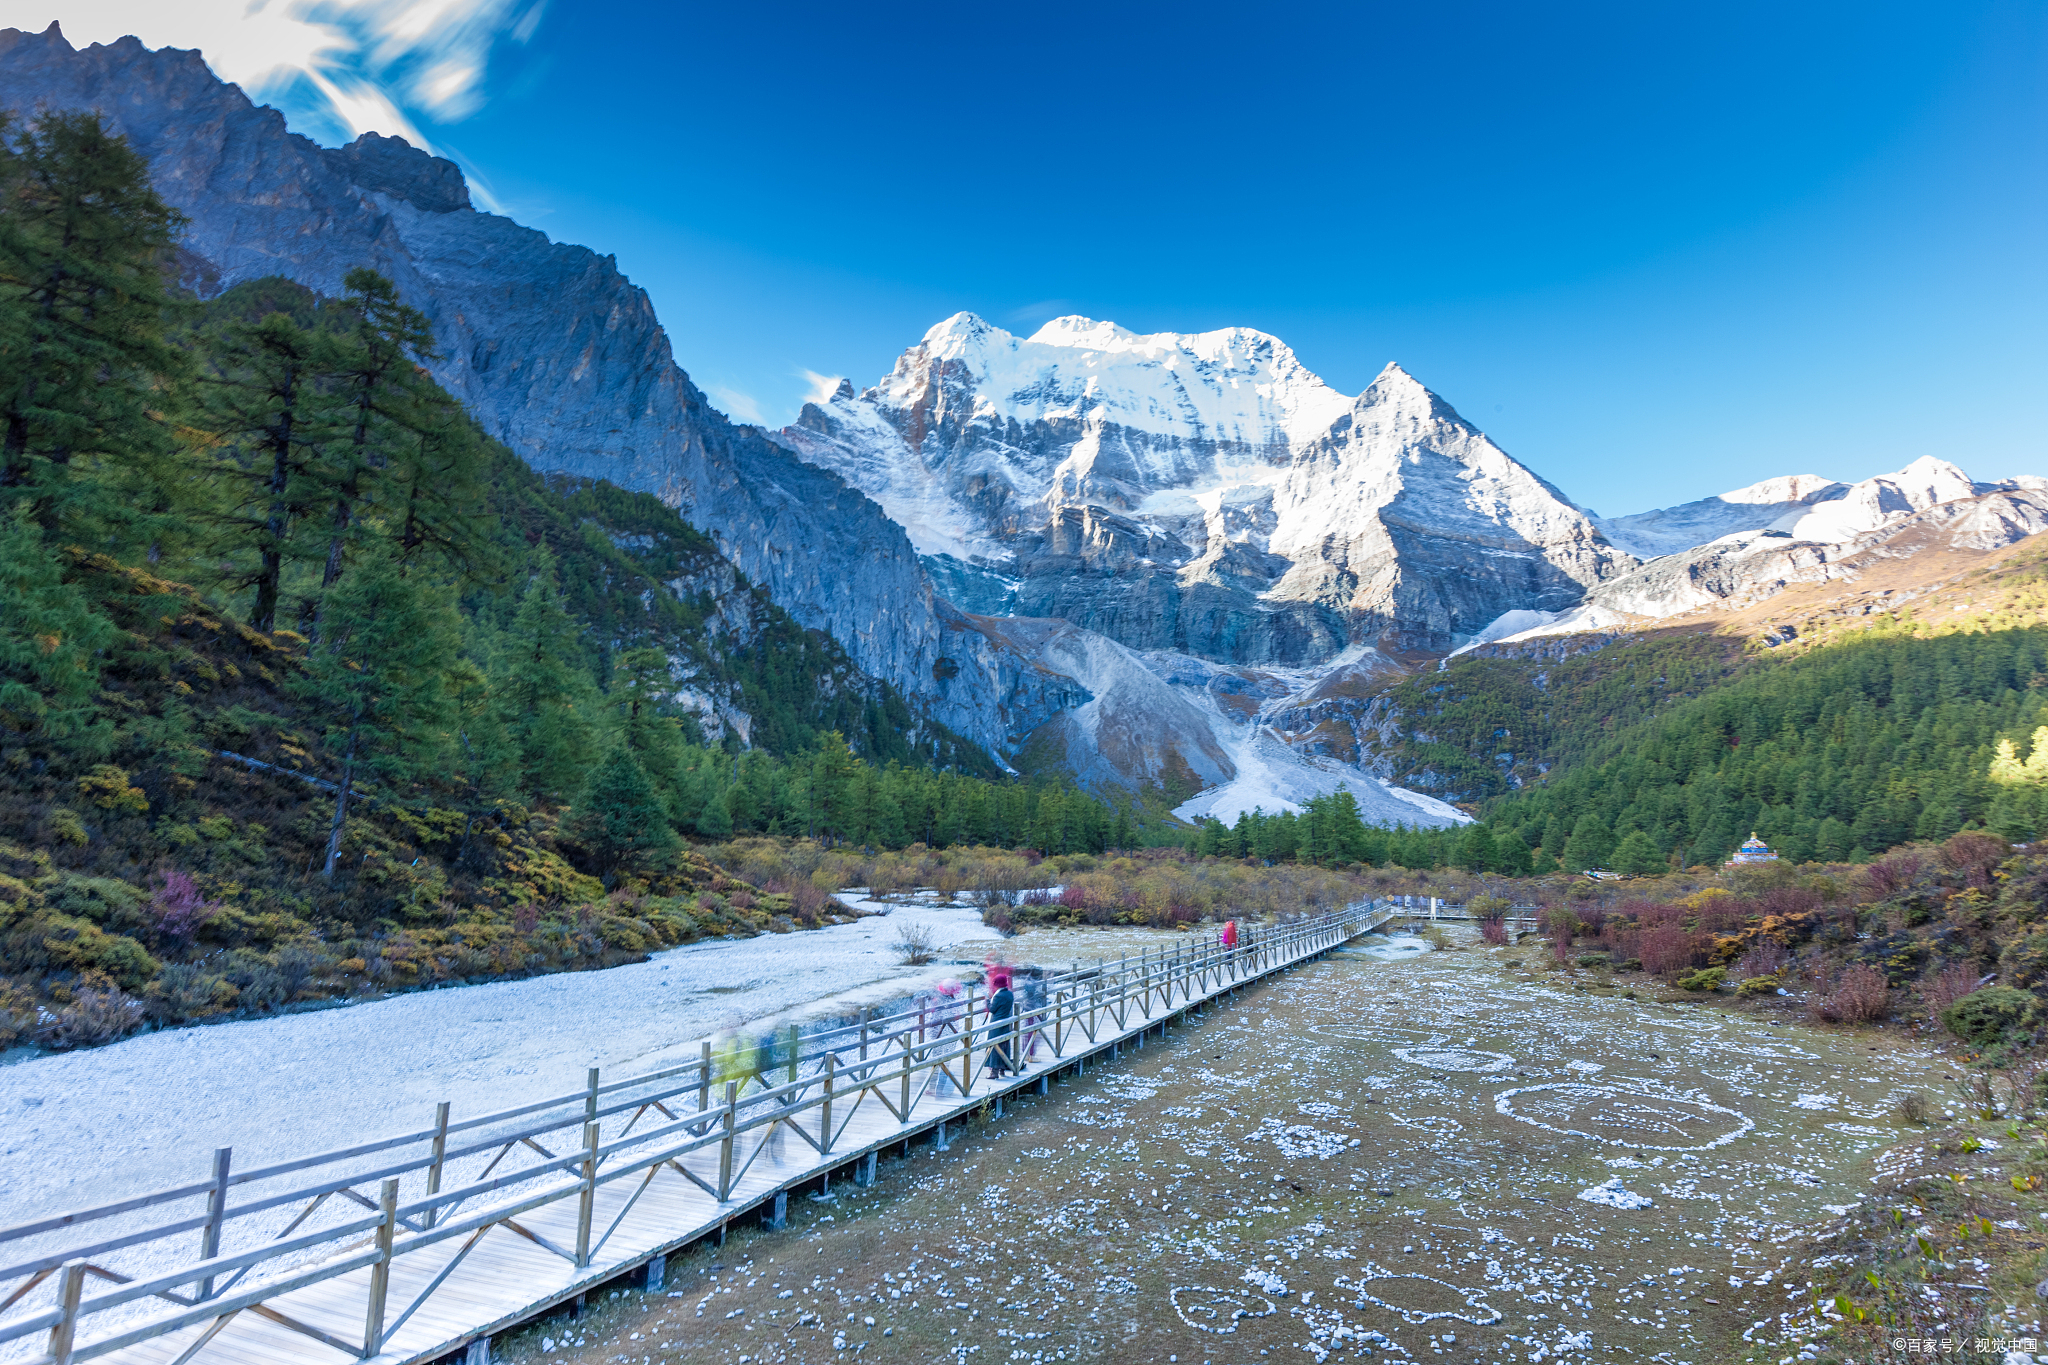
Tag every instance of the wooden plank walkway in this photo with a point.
(568, 1194)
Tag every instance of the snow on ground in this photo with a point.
(1275, 778)
(84, 1127)
(1511, 623)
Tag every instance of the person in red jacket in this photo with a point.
(1002, 1006)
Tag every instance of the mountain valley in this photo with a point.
(1179, 565)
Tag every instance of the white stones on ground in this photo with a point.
(1455, 1059)
(1418, 1298)
(1611, 1193)
(1624, 1117)
(1298, 1140)
(1266, 1280)
(1208, 1309)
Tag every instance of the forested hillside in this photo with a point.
(310, 686)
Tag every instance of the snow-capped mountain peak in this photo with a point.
(1204, 492)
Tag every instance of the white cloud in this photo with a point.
(338, 68)
(739, 406)
(822, 386)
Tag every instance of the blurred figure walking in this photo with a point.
(1032, 1001)
(943, 1015)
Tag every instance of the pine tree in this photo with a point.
(642, 682)
(383, 399)
(269, 420)
(1637, 856)
(542, 689)
(833, 772)
(619, 820)
(1589, 845)
(1475, 850)
(53, 643)
(379, 679)
(83, 302)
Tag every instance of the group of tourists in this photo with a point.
(1009, 1025)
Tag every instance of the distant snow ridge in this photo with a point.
(1204, 493)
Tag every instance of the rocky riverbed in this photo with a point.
(1384, 1155)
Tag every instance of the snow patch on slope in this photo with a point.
(1271, 776)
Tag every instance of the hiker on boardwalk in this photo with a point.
(731, 1055)
(1031, 993)
(1002, 1008)
(1229, 935)
(941, 1013)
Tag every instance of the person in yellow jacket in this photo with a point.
(732, 1057)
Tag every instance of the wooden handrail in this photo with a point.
(892, 1050)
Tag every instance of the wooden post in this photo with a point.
(825, 1106)
(866, 1013)
(216, 1213)
(795, 1038)
(657, 1271)
(440, 1156)
(590, 1099)
(732, 1095)
(64, 1331)
(380, 1271)
(704, 1078)
(967, 1047)
(908, 1061)
(586, 1199)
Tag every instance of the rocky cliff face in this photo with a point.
(553, 350)
(1204, 494)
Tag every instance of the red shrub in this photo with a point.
(176, 909)
(1889, 876)
(1494, 929)
(1669, 948)
(1858, 996)
(1943, 988)
(1766, 957)
(1651, 915)
(1973, 856)
(1724, 914)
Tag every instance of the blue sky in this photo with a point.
(1655, 251)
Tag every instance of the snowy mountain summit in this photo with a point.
(1205, 494)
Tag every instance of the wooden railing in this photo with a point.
(318, 1219)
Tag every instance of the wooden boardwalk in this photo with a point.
(420, 1246)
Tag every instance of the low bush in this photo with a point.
(1709, 979)
(914, 945)
(1992, 1017)
(93, 1016)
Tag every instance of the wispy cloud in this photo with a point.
(821, 386)
(337, 67)
(1039, 313)
(739, 406)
